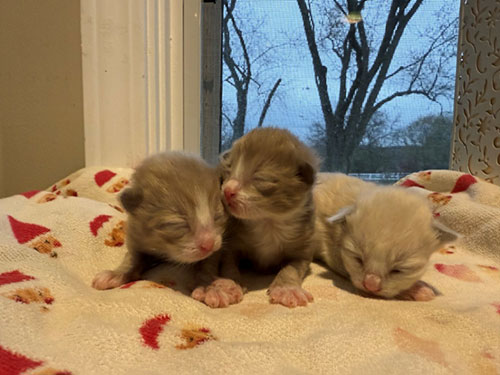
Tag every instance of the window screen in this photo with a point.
(369, 84)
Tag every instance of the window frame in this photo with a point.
(141, 78)
(211, 79)
(152, 80)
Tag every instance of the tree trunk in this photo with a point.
(239, 120)
(338, 154)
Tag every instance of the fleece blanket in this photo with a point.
(53, 242)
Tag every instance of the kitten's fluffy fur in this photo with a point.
(267, 180)
(381, 236)
(174, 214)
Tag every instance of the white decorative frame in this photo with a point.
(476, 137)
(141, 78)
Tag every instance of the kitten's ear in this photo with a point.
(224, 157)
(131, 198)
(224, 165)
(445, 234)
(341, 214)
(306, 173)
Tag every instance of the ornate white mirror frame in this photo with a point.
(476, 136)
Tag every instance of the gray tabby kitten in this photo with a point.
(174, 214)
(267, 180)
(381, 237)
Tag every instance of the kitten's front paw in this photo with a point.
(199, 293)
(289, 295)
(108, 280)
(221, 293)
(420, 291)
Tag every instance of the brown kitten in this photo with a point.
(381, 237)
(267, 180)
(174, 214)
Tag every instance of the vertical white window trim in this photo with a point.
(141, 78)
(192, 75)
(176, 73)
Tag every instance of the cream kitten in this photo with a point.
(381, 237)
(267, 180)
(174, 214)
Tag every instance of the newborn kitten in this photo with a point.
(267, 180)
(381, 237)
(174, 214)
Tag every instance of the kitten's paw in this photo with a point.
(221, 293)
(199, 293)
(232, 289)
(108, 280)
(420, 291)
(289, 295)
(216, 298)
(424, 294)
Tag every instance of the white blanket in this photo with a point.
(53, 242)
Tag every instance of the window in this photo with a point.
(370, 86)
(152, 79)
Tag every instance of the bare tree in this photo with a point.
(240, 64)
(365, 67)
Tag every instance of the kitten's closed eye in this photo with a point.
(266, 185)
(359, 260)
(172, 226)
(395, 272)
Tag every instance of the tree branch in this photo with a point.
(431, 48)
(268, 103)
(362, 60)
(395, 26)
(420, 60)
(365, 48)
(241, 76)
(227, 52)
(228, 119)
(320, 70)
(401, 68)
(345, 62)
(396, 94)
(248, 75)
(340, 8)
(399, 24)
(390, 25)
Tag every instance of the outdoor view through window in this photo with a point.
(368, 83)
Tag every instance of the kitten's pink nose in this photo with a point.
(231, 190)
(206, 242)
(207, 245)
(372, 283)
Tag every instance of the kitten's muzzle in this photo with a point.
(372, 283)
